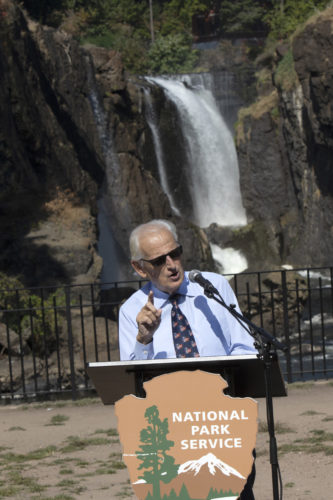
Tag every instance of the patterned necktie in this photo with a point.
(183, 337)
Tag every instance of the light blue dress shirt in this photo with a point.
(216, 331)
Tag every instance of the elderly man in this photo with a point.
(169, 302)
(170, 316)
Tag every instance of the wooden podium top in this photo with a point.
(244, 374)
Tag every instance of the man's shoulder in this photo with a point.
(137, 298)
(214, 277)
(217, 280)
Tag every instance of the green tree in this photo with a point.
(154, 444)
(176, 15)
(183, 494)
(284, 18)
(214, 493)
(243, 16)
(51, 12)
(124, 25)
(172, 54)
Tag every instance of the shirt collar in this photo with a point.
(186, 288)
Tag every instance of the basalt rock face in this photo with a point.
(285, 149)
(71, 132)
(46, 149)
(312, 52)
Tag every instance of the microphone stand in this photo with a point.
(263, 342)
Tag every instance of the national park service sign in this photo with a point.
(187, 440)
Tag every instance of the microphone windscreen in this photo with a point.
(193, 274)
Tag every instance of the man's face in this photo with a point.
(166, 277)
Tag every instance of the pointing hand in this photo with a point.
(148, 320)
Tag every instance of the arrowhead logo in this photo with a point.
(187, 440)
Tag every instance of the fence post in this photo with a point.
(70, 341)
(286, 324)
(9, 352)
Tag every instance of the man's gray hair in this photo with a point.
(154, 226)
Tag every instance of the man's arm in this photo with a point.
(237, 339)
(241, 340)
(136, 331)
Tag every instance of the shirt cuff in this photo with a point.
(142, 351)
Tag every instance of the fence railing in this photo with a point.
(48, 335)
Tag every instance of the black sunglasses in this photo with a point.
(159, 261)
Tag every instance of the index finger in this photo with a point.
(151, 297)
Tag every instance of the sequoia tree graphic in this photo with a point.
(157, 464)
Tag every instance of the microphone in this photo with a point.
(195, 276)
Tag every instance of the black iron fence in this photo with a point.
(48, 335)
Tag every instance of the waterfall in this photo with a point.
(212, 166)
(151, 120)
(105, 137)
(205, 167)
(115, 261)
(228, 260)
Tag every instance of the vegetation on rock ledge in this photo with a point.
(159, 39)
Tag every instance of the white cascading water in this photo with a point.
(115, 264)
(151, 120)
(212, 164)
(228, 260)
(212, 158)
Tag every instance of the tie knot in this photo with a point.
(175, 298)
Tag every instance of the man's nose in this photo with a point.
(169, 261)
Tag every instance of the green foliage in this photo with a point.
(101, 12)
(101, 35)
(177, 15)
(131, 44)
(172, 54)
(243, 16)
(124, 25)
(284, 21)
(8, 285)
(275, 113)
(214, 493)
(47, 11)
(26, 311)
(285, 75)
(154, 444)
(183, 494)
(121, 26)
(58, 419)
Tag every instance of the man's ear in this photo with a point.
(138, 268)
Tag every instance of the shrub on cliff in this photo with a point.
(22, 310)
(285, 76)
(172, 54)
(284, 18)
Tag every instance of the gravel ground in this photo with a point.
(65, 450)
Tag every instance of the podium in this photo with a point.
(244, 375)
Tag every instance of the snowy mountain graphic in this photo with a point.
(200, 476)
(211, 462)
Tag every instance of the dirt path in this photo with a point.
(67, 451)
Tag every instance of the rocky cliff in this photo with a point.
(50, 157)
(70, 121)
(73, 132)
(285, 151)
